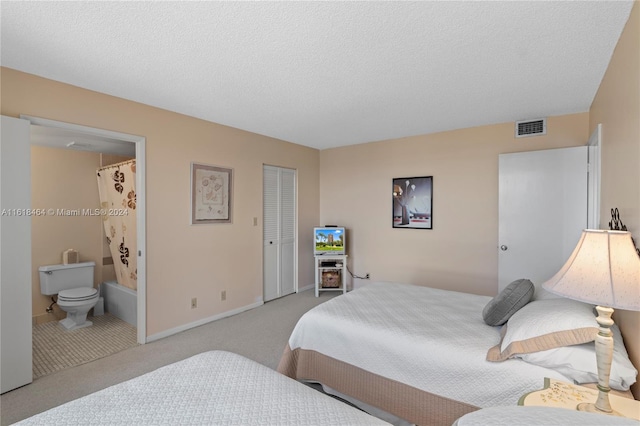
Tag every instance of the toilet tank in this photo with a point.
(55, 278)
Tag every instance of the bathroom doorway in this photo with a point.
(60, 148)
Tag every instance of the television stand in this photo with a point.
(331, 273)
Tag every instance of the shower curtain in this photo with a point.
(116, 186)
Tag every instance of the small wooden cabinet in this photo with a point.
(331, 273)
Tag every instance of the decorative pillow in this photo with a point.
(579, 362)
(545, 324)
(508, 301)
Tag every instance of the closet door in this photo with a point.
(279, 230)
(270, 232)
(287, 230)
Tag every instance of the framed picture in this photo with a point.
(211, 193)
(413, 202)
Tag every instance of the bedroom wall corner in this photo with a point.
(461, 251)
(183, 260)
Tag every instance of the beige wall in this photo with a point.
(460, 252)
(185, 261)
(63, 179)
(617, 107)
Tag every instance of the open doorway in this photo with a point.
(64, 148)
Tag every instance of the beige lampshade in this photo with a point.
(604, 269)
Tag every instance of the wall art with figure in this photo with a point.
(413, 202)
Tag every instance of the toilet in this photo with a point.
(73, 283)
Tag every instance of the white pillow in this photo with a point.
(579, 362)
(558, 334)
(547, 317)
(545, 324)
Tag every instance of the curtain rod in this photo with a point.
(117, 164)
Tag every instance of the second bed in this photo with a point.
(415, 352)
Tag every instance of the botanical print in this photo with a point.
(124, 253)
(211, 194)
(131, 200)
(118, 177)
(212, 189)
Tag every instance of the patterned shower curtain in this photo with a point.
(116, 185)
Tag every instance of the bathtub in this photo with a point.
(120, 301)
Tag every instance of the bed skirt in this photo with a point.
(407, 402)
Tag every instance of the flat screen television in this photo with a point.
(329, 240)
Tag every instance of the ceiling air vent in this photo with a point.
(531, 128)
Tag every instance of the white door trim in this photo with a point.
(594, 153)
(141, 203)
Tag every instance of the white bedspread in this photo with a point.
(212, 388)
(434, 340)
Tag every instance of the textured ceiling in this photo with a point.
(325, 74)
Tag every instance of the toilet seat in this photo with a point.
(77, 294)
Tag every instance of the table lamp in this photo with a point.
(604, 269)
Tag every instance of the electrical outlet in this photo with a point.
(194, 303)
(366, 277)
(223, 295)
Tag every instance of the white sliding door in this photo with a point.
(279, 232)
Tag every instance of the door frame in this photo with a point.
(141, 235)
(594, 152)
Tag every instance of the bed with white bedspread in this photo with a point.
(418, 353)
(211, 388)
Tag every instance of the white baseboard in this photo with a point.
(305, 288)
(203, 321)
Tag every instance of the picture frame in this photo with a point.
(211, 194)
(412, 202)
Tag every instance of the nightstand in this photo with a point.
(566, 395)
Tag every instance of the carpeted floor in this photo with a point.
(260, 334)
(55, 349)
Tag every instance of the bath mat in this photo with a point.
(55, 349)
